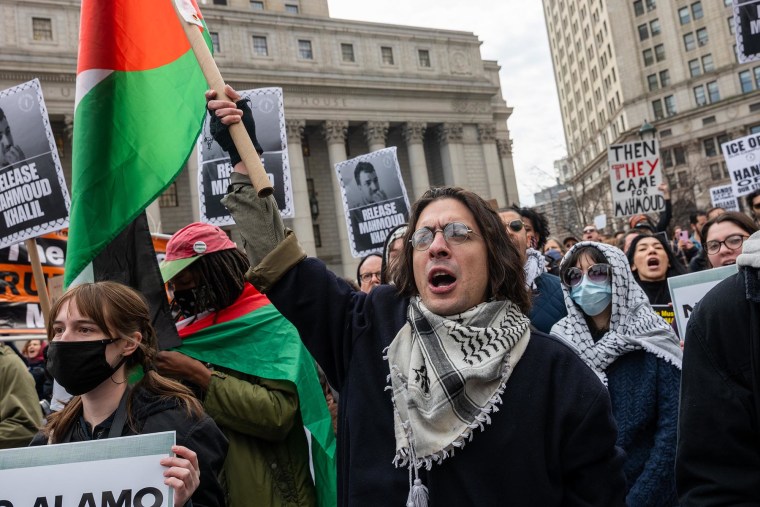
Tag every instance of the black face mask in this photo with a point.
(80, 367)
(185, 302)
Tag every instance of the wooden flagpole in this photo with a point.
(243, 143)
(39, 278)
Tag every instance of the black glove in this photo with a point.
(221, 132)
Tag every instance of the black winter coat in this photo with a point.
(551, 443)
(718, 453)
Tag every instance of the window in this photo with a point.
(291, 8)
(347, 52)
(638, 7)
(657, 109)
(220, 2)
(659, 52)
(260, 47)
(42, 29)
(215, 41)
(707, 63)
(651, 5)
(256, 5)
(710, 149)
(648, 57)
(304, 50)
(696, 10)
(317, 235)
(683, 178)
(665, 78)
(643, 32)
(169, 198)
(652, 82)
(679, 153)
(670, 105)
(713, 92)
(699, 95)
(745, 81)
(694, 68)
(386, 53)
(654, 27)
(689, 42)
(715, 171)
(757, 76)
(424, 58)
(667, 158)
(702, 36)
(683, 15)
(755, 129)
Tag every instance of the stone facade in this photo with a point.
(619, 63)
(349, 88)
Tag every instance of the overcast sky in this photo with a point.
(514, 34)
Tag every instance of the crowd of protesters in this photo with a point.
(489, 363)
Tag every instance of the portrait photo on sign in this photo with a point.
(34, 199)
(214, 167)
(374, 199)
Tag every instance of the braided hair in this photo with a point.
(219, 278)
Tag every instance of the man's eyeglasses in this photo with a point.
(732, 243)
(516, 225)
(454, 233)
(367, 277)
(597, 273)
(589, 230)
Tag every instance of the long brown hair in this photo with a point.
(119, 311)
(506, 277)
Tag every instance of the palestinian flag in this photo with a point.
(139, 109)
(252, 337)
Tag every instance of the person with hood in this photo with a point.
(611, 325)
(20, 412)
(99, 333)
(718, 459)
(423, 367)
(652, 263)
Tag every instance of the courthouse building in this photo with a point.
(349, 88)
(619, 63)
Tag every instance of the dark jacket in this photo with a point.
(550, 443)
(718, 453)
(152, 414)
(548, 305)
(644, 393)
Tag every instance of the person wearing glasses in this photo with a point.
(590, 233)
(613, 328)
(447, 395)
(724, 236)
(547, 304)
(368, 272)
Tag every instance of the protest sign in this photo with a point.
(20, 312)
(374, 199)
(214, 167)
(34, 199)
(688, 290)
(747, 24)
(600, 221)
(635, 174)
(123, 471)
(743, 161)
(723, 197)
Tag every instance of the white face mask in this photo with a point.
(592, 297)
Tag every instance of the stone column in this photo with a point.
(452, 154)
(302, 210)
(335, 134)
(376, 132)
(487, 135)
(414, 134)
(504, 146)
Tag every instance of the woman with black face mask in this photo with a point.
(99, 333)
